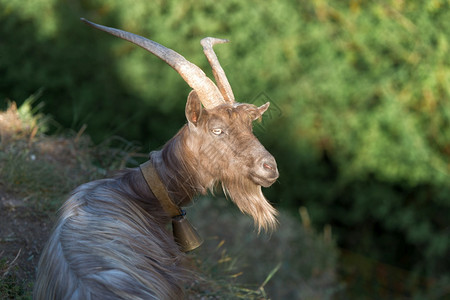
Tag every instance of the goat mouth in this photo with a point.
(263, 180)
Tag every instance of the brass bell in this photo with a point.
(185, 234)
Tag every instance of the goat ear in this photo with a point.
(193, 108)
(262, 109)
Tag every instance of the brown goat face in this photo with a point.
(228, 152)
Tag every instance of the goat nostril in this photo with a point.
(267, 166)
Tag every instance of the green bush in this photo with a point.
(361, 125)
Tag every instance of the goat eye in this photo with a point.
(217, 131)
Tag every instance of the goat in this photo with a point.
(111, 240)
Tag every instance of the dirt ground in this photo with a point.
(23, 234)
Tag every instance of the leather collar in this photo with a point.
(159, 190)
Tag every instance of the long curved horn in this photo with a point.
(207, 91)
(219, 74)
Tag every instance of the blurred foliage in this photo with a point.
(360, 124)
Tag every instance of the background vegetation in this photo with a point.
(360, 124)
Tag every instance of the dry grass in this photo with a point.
(292, 263)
